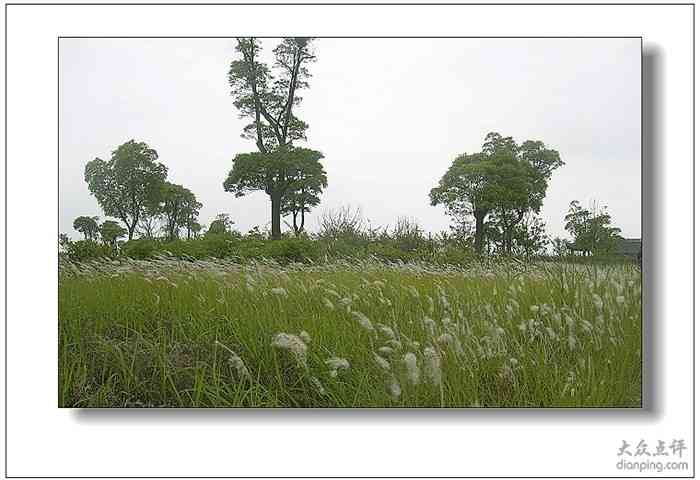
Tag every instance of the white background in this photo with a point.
(43, 440)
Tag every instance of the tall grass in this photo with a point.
(168, 333)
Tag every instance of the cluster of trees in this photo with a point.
(591, 231)
(109, 231)
(501, 188)
(132, 187)
(492, 196)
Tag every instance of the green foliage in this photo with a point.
(141, 249)
(180, 209)
(268, 100)
(127, 186)
(88, 226)
(279, 173)
(84, 250)
(501, 184)
(287, 250)
(110, 232)
(292, 177)
(592, 230)
(221, 224)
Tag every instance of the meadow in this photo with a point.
(165, 332)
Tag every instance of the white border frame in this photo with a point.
(43, 440)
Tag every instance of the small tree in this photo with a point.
(127, 186)
(111, 231)
(179, 208)
(592, 230)
(88, 226)
(305, 192)
(221, 224)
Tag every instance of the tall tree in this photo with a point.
(129, 184)
(268, 101)
(279, 173)
(88, 226)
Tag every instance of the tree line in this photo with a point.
(493, 196)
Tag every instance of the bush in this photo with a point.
(454, 255)
(292, 250)
(141, 249)
(82, 250)
(217, 245)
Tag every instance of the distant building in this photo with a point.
(630, 246)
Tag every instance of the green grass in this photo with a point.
(145, 333)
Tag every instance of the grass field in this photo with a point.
(169, 333)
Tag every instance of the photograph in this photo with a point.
(350, 222)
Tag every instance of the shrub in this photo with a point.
(141, 249)
(217, 245)
(82, 250)
(292, 250)
(456, 255)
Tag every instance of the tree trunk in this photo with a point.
(276, 200)
(479, 216)
(294, 222)
(131, 228)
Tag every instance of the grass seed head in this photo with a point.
(292, 344)
(432, 366)
(410, 363)
(279, 291)
(382, 362)
(363, 321)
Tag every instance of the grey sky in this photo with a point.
(389, 115)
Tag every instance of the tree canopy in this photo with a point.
(591, 229)
(88, 226)
(268, 100)
(179, 208)
(279, 173)
(129, 184)
(221, 224)
(111, 231)
(504, 181)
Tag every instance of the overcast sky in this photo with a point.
(389, 115)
